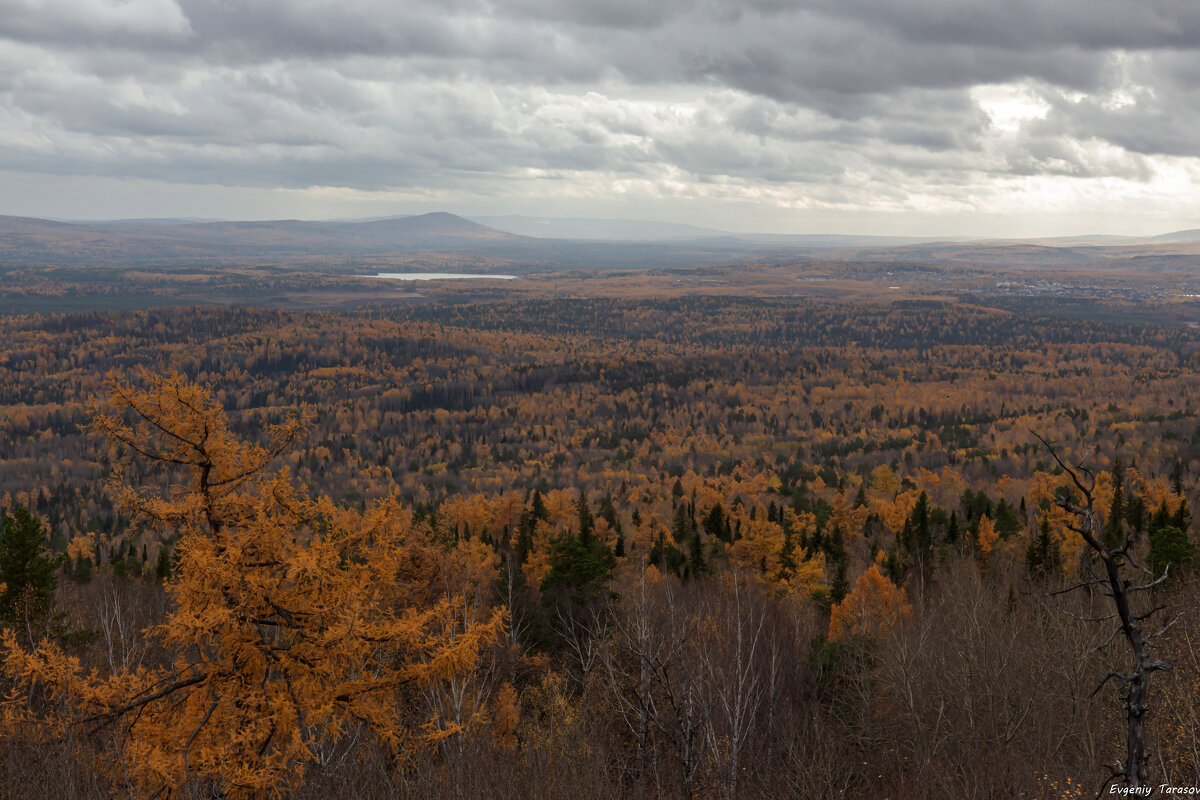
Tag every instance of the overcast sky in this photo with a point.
(993, 117)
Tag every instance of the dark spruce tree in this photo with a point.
(1043, 557)
(580, 567)
(1114, 527)
(586, 523)
(27, 572)
(1169, 542)
(1170, 547)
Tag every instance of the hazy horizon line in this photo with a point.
(474, 217)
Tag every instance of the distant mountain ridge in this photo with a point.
(630, 230)
(1192, 235)
(587, 228)
(582, 243)
(26, 240)
(433, 223)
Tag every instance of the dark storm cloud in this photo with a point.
(473, 95)
(1025, 25)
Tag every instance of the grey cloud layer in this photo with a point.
(834, 97)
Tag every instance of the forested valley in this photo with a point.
(691, 547)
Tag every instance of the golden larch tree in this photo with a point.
(292, 621)
(987, 538)
(872, 609)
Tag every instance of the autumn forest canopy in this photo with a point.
(695, 545)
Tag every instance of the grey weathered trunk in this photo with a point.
(1135, 772)
(1116, 561)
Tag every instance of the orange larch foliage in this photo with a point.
(293, 621)
(987, 538)
(506, 715)
(875, 605)
(759, 547)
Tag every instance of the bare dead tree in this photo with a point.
(1120, 588)
(119, 631)
(658, 681)
(509, 593)
(583, 635)
(740, 683)
(631, 680)
(686, 698)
